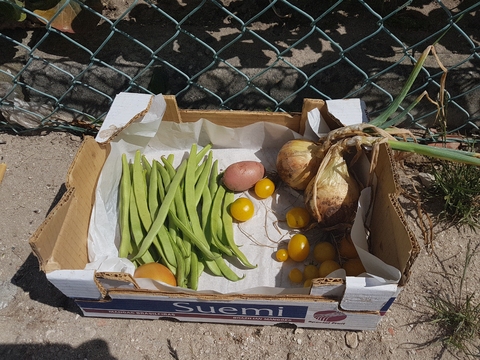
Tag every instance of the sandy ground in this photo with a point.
(41, 323)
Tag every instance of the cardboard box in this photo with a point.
(354, 303)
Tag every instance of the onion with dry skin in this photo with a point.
(332, 195)
(297, 163)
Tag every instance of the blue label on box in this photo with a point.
(195, 309)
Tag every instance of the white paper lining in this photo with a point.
(260, 141)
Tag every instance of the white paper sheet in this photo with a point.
(258, 238)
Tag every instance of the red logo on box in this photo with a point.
(329, 316)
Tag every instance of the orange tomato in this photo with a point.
(157, 272)
(353, 267)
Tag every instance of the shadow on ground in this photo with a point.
(33, 281)
(92, 350)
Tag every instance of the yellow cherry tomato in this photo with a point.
(324, 251)
(310, 272)
(297, 218)
(298, 247)
(295, 276)
(264, 188)
(242, 209)
(327, 267)
(281, 255)
(307, 283)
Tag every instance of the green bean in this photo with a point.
(162, 257)
(184, 246)
(213, 182)
(206, 207)
(215, 241)
(187, 245)
(179, 203)
(216, 228)
(161, 177)
(190, 196)
(204, 248)
(212, 266)
(181, 271)
(226, 271)
(200, 267)
(178, 208)
(227, 222)
(163, 210)
(140, 191)
(172, 229)
(153, 191)
(169, 166)
(186, 252)
(166, 242)
(170, 158)
(146, 167)
(163, 184)
(210, 214)
(194, 274)
(199, 156)
(125, 247)
(203, 177)
(176, 235)
(199, 170)
(136, 228)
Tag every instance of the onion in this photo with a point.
(297, 162)
(332, 195)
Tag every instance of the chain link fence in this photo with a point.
(61, 69)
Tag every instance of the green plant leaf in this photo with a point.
(60, 19)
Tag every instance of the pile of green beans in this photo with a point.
(178, 216)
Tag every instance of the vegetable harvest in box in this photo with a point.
(184, 217)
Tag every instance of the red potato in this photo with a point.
(243, 175)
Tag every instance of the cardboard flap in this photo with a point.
(61, 241)
(77, 283)
(116, 280)
(309, 105)
(391, 239)
(348, 112)
(43, 240)
(172, 113)
(126, 108)
(366, 294)
(328, 287)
